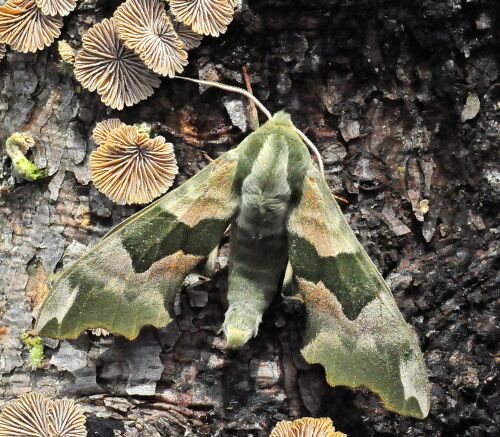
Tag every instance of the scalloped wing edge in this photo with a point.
(354, 328)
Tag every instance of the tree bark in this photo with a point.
(401, 98)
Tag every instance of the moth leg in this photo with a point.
(210, 266)
(288, 288)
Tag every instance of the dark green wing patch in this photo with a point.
(354, 285)
(164, 235)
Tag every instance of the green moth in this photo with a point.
(279, 209)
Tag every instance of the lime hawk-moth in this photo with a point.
(280, 210)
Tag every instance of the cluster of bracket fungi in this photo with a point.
(122, 58)
(143, 33)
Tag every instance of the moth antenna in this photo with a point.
(230, 88)
(313, 148)
(257, 102)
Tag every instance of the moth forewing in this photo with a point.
(130, 278)
(354, 328)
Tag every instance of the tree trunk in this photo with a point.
(401, 97)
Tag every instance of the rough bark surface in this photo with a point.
(402, 99)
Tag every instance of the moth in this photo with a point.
(280, 210)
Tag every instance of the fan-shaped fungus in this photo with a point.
(207, 17)
(26, 416)
(188, 36)
(66, 52)
(145, 28)
(66, 419)
(131, 168)
(306, 427)
(24, 27)
(56, 7)
(117, 74)
(33, 415)
(102, 130)
(3, 49)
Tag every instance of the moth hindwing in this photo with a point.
(280, 209)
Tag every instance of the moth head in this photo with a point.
(282, 118)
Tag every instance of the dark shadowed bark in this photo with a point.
(401, 97)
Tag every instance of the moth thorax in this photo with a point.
(265, 192)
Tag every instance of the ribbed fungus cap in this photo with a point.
(133, 168)
(105, 65)
(56, 7)
(66, 52)
(3, 50)
(306, 427)
(25, 28)
(207, 17)
(188, 36)
(26, 416)
(101, 131)
(145, 28)
(66, 419)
